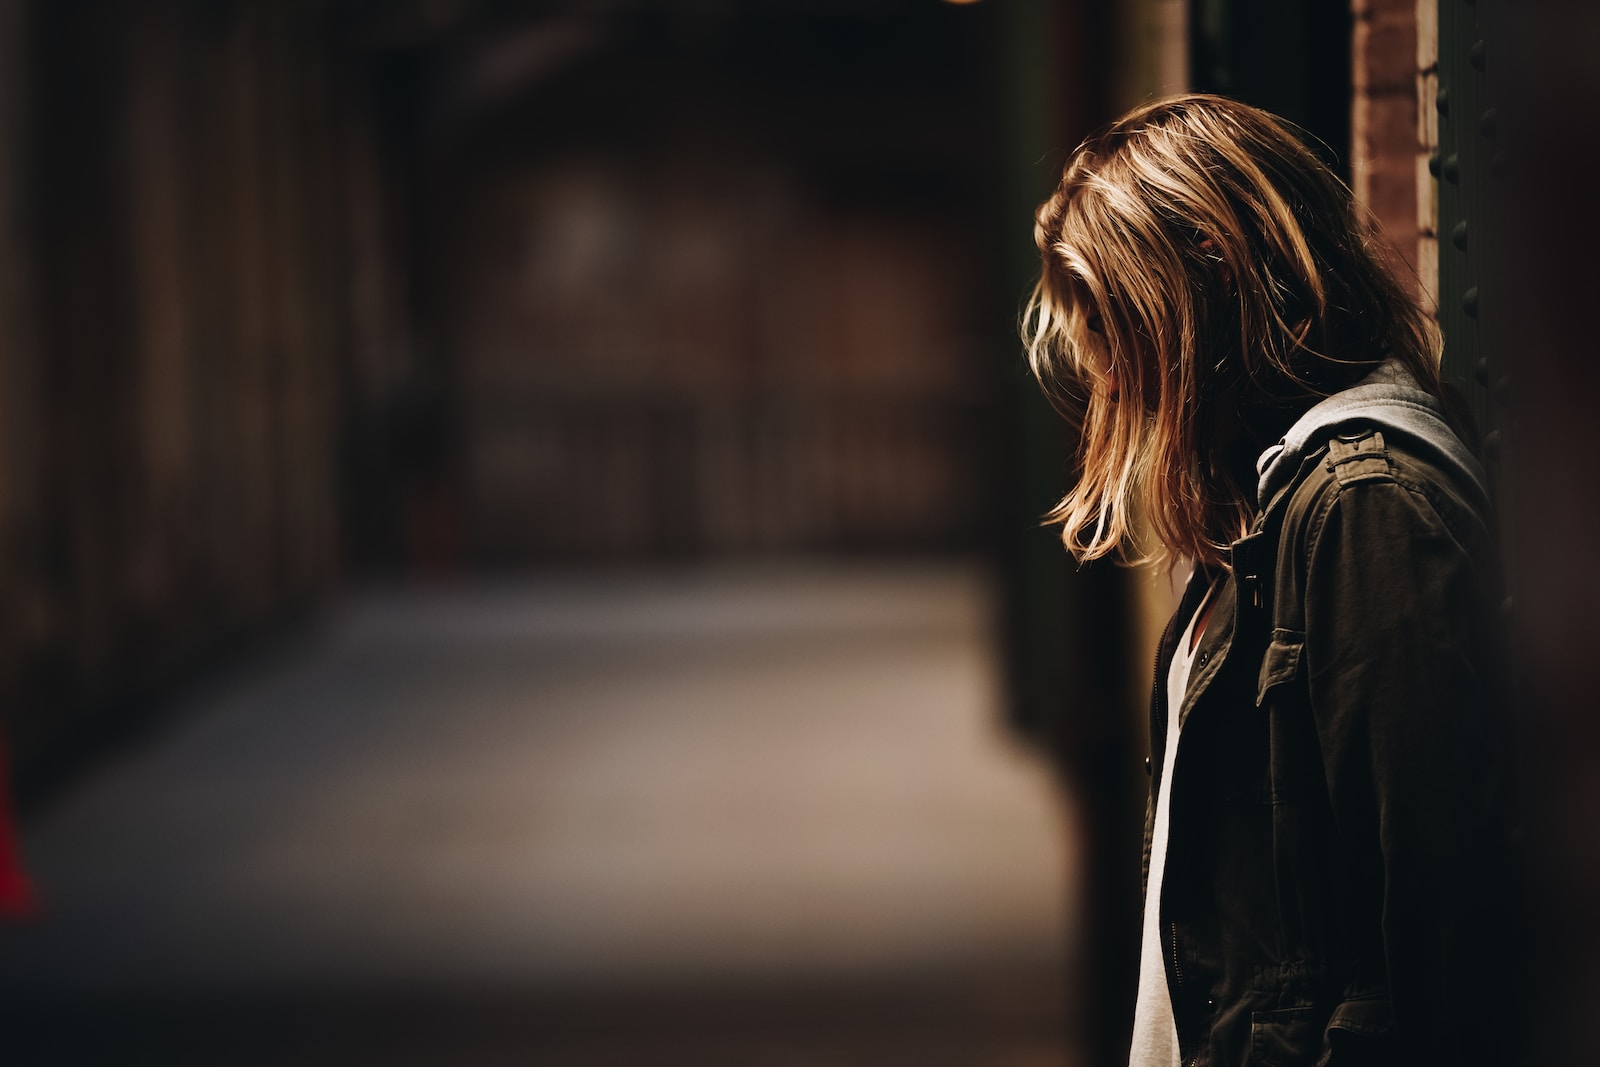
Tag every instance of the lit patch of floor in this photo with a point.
(712, 780)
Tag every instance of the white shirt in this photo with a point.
(1155, 1033)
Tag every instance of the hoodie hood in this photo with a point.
(1390, 400)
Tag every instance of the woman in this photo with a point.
(1328, 834)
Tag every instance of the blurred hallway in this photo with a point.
(731, 816)
(298, 295)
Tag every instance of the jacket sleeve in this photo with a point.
(1401, 646)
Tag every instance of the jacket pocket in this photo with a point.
(1361, 1031)
(1286, 1037)
(1280, 663)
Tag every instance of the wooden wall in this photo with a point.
(171, 320)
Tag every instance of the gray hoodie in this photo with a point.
(1389, 400)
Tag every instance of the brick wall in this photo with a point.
(1394, 55)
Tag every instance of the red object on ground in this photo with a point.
(17, 899)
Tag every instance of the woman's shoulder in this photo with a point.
(1409, 483)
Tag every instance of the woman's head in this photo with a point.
(1205, 279)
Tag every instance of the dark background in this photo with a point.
(307, 297)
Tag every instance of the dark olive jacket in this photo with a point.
(1338, 882)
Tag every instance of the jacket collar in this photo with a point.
(1388, 399)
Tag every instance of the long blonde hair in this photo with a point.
(1205, 280)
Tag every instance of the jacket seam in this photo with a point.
(1329, 494)
(1420, 489)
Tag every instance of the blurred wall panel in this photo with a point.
(666, 334)
(709, 371)
(25, 616)
(172, 374)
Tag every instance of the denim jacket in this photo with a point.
(1339, 871)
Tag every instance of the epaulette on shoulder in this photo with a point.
(1358, 455)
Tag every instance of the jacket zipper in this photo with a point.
(1177, 979)
(1177, 969)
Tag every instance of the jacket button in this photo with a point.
(1147, 766)
(1211, 1005)
(1205, 657)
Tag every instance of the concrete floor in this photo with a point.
(740, 816)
